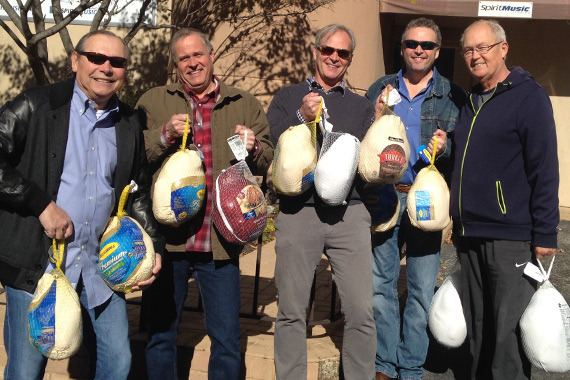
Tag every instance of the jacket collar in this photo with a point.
(437, 89)
(225, 90)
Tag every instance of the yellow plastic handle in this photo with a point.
(186, 129)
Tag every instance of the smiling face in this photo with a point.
(330, 69)
(418, 60)
(488, 68)
(194, 63)
(99, 82)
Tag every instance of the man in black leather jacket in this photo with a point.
(66, 152)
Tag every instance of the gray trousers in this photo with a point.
(343, 233)
(495, 295)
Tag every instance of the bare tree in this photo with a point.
(262, 32)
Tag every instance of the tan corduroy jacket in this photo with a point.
(233, 107)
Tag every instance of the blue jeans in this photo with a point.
(401, 350)
(105, 334)
(219, 285)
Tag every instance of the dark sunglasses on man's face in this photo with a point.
(99, 59)
(426, 45)
(328, 51)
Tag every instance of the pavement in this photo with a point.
(257, 322)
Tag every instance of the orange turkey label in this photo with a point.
(392, 160)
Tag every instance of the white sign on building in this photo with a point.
(513, 9)
(127, 12)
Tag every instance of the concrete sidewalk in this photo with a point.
(324, 341)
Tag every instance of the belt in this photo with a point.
(403, 188)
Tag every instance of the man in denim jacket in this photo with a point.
(429, 108)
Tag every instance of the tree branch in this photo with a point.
(14, 37)
(85, 4)
(63, 33)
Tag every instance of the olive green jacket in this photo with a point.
(233, 107)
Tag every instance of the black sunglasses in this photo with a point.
(426, 45)
(328, 51)
(99, 59)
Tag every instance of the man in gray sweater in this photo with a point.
(306, 226)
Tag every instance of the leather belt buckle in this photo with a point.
(403, 188)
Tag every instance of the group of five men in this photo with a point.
(67, 150)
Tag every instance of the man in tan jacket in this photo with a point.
(195, 248)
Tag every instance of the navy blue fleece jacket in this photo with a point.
(505, 176)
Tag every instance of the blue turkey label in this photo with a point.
(122, 252)
(187, 197)
(42, 321)
(423, 205)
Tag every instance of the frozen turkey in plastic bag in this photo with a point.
(336, 167)
(239, 207)
(54, 315)
(545, 328)
(446, 319)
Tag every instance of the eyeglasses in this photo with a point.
(99, 59)
(426, 45)
(328, 51)
(481, 49)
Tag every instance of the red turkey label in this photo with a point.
(392, 160)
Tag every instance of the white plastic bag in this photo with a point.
(545, 328)
(446, 319)
(336, 167)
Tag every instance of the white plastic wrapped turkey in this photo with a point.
(446, 319)
(545, 328)
(336, 167)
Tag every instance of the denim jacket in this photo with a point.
(440, 110)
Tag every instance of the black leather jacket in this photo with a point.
(33, 138)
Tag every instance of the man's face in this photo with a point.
(330, 69)
(484, 66)
(99, 81)
(419, 60)
(194, 64)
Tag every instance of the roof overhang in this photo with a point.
(540, 9)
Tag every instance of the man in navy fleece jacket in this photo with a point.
(504, 199)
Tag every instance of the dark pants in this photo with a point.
(219, 285)
(495, 295)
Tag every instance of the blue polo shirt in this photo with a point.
(410, 111)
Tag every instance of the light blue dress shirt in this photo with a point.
(410, 111)
(86, 191)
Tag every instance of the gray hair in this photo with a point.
(101, 32)
(185, 32)
(496, 28)
(331, 29)
(423, 22)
